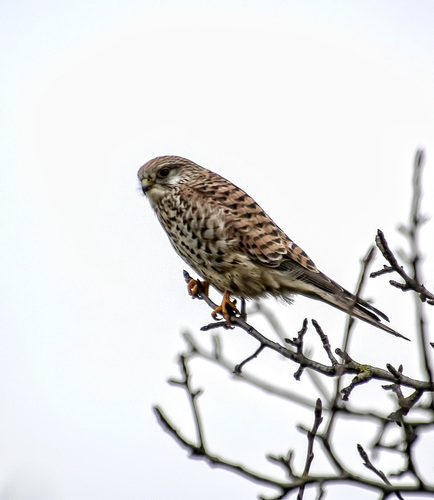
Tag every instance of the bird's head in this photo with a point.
(161, 174)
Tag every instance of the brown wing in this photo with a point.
(255, 232)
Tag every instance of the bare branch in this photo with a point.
(213, 460)
(363, 276)
(311, 438)
(185, 382)
(238, 368)
(409, 283)
(368, 464)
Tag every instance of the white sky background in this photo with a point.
(315, 108)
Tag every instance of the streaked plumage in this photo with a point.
(226, 237)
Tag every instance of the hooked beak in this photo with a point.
(146, 184)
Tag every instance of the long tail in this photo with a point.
(354, 306)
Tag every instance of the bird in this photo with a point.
(233, 245)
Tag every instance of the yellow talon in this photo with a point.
(194, 287)
(226, 309)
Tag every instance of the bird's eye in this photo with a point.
(164, 172)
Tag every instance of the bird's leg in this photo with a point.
(196, 286)
(224, 309)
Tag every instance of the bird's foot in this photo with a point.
(226, 309)
(196, 286)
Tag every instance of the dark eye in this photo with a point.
(164, 172)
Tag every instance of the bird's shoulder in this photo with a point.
(256, 234)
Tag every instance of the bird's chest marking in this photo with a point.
(200, 238)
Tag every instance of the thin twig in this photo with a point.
(409, 283)
(369, 465)
(213, 460)
(238, 368)
(311, 439)
(185, 382)
(361, 284)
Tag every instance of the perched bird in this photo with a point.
(226, 237)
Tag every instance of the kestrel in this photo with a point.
(226, 237)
